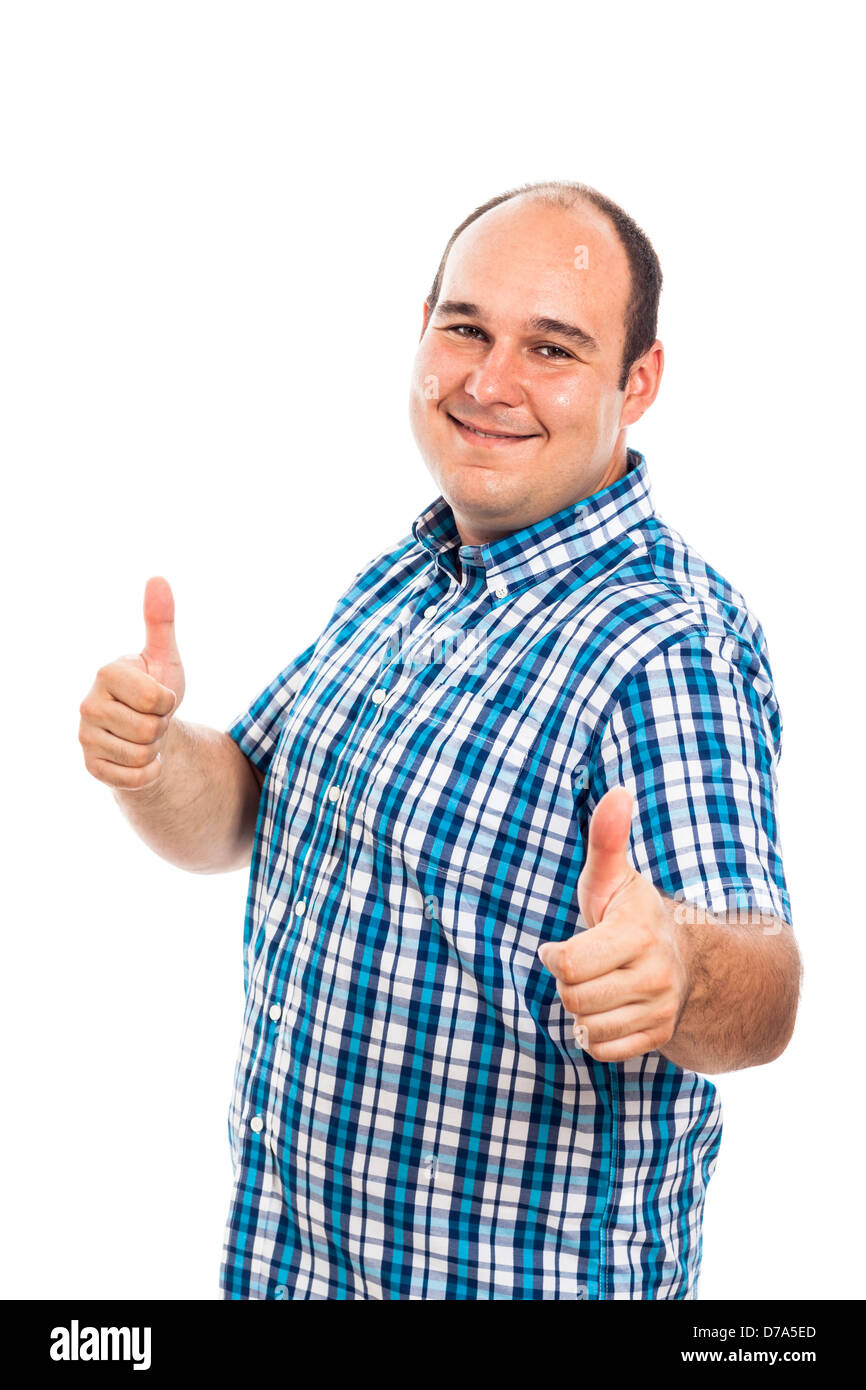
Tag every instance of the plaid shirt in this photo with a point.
(412, 1117)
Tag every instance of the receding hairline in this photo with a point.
(549, 199)
(567, 197)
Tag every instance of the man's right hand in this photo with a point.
(126, 714)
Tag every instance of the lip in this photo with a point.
(487, 441)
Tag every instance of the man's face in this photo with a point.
(496, 356)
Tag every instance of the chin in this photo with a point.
(484, 493)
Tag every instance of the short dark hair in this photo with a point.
(641, 315)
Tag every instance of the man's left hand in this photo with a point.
(627, 980)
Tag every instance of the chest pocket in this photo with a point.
(445, 793)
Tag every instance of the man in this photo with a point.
(516, 883)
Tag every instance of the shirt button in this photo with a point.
(334, 793)
(501, 591)
(431, 611)
(378, 696)
(257, 1124)
(274, 1012)
(300, 908)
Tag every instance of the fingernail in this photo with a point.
(546, 948)
(581, 1034)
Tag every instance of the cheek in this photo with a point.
(565, 409)
(433, 377)
(570, 410)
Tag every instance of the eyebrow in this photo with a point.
(539, 324)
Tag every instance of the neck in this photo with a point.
(616, 469)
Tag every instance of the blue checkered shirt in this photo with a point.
(411, 1115)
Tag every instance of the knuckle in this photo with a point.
(144, 700)
(151, 701)
(571, 997)
(663, 1017)
(151, 728)
(644, 935)
(656, 980)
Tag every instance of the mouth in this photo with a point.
(487, 438)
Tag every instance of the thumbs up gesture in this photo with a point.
(626, 981)
(126, 714)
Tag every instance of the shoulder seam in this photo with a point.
(693, 597)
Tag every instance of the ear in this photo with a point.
(643, 384)
(426, 317)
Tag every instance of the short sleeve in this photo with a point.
(257, 730)
(695, 736)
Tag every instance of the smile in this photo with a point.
(487, 436)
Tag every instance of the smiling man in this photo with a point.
(519, 404)
(516, 884)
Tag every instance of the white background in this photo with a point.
(219, 225)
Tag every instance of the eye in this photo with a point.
(554, 347)
(463, 329)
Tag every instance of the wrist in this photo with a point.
(686, 949)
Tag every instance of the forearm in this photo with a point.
(200, 813)
(744, 985)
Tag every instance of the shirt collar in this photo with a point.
(556, 542)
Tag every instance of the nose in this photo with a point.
(496, 380)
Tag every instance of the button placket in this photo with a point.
(261, 1125)
(289, 1013)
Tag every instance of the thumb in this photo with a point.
(160, 648)
(607, 865)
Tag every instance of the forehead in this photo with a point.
(525, 258)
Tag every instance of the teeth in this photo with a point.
(485, 435)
